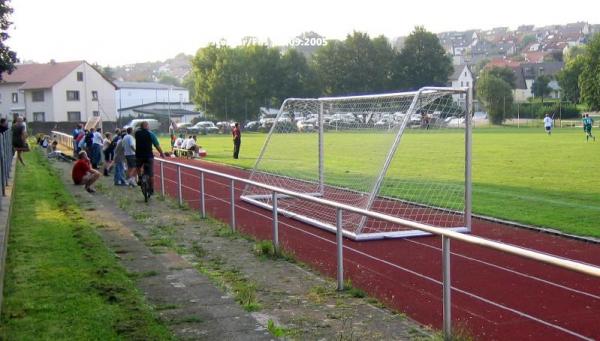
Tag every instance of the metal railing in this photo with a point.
(341, 208)
(6, 157)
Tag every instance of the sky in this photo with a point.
(117, 32)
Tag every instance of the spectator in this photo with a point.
(3, 125)
(78, 140)
(129, 150)
(97, 143)
(237, 140)
(108, 148)
(119, 178)
(75, 135)
(83, 174)
(192, 146)
(19, 139)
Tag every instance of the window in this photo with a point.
(15, 97)
(467, 83)
(80, 76)
(465, 73)
(72, 95)
(461, 83)
(37, 96)
(94, 95)
(39, 117)
(74, 116)
(96, 113)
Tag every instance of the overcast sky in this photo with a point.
(115, 32)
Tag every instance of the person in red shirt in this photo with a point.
(237, 140)
(83, 174)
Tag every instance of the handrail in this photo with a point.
(515, 250)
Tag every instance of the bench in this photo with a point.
(180, 152)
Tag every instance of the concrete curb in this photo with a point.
(5, 213)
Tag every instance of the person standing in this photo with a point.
(548, 124)
(588, 122)
(119, 178)
(75, 135)
(129, 151)
(237, 140)
(3, 125)
(19, 138)
(97, 144)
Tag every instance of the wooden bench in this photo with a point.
(180, 152)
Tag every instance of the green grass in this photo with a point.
(61, 281)
(518, 174)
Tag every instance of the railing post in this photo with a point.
(232, 205)
(340, 249)
(447, 287)
(202, 196)
(3, 164)
(162, 178)
(275, 224)
(179, 192)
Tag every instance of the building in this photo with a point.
(57, 92)
(527, 73)
(130, 94)
(178, 112)
(462, 77)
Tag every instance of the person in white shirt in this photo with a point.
(96, 148)
(548, 124)
(129, 151)
(185, 142)
(178, 141)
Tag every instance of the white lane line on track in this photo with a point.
(472, 295)
(510, 270)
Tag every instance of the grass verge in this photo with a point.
(61, 281)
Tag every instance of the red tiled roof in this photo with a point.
(40, 76)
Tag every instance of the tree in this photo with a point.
(422, 61)
(298, 78)
(589, 79)
(528, 39)
(356, 65)
(504, 73)
(169, 80)
(540, 87)
(568, 78)
(496, 95)
(8, 58)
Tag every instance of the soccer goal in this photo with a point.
(403, 154)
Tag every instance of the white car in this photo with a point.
(136, 123)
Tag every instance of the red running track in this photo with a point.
(495, 296)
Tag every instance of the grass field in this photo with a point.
(61, 281)
(518, 174)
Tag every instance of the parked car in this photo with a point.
(152, 123)
(305, 126)
(182, 127)
(224, 126)
(203, 127)
(252, 126)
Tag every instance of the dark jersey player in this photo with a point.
(144, 140)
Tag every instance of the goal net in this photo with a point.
(401, 154)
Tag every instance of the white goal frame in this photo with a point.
(258, 199)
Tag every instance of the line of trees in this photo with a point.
(580, 78)
(234, 82)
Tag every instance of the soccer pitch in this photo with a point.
(519, 174)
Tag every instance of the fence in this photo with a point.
(340, 208)
(6, 156)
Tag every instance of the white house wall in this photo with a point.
(129, 97)
(46, 106)
(92, 81)
(7, 107)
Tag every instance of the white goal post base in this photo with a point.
(255, 200)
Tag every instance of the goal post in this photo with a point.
(404, 154)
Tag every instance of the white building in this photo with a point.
(462, 77)
(177, 112)
(57, 92)
(130, 94)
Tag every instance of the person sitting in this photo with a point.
(83, 173)
(54, 153)
(178, 143)
(192, 146)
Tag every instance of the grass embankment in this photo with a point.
(61, 281)
(518, 174)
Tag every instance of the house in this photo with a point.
(130, 94)
(178, 112)
(527, 73)
(462, 77)
(57, 92)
